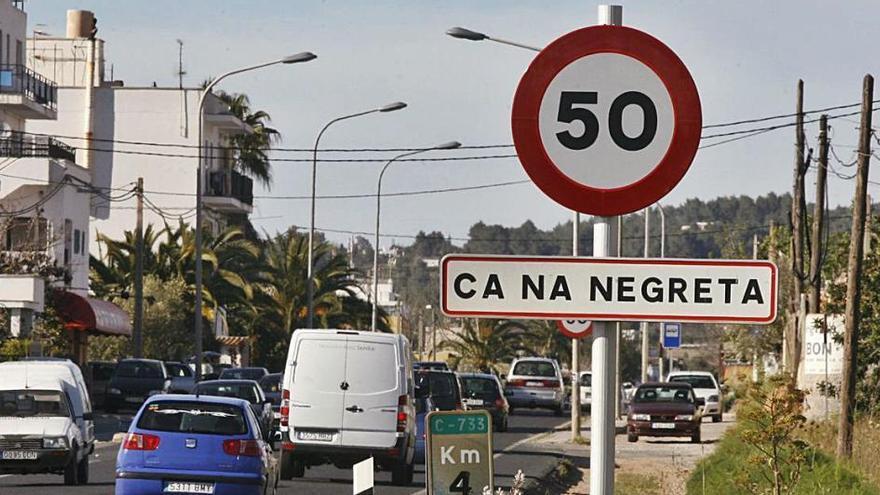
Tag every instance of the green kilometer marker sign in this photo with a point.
(459, 452)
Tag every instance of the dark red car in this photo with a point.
(664, 410)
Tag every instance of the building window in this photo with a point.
(77, 242)
(68, 238)
(19, 53)
(26, 234)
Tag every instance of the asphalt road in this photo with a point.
(512, 452)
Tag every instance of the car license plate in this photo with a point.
(663, 426)
(473, 402)
(19, 455)
(534, 384)
(188, 487)
(315, 436)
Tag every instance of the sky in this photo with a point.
(745, 58)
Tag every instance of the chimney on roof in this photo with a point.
(80, 23)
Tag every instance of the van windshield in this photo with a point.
(33, 403)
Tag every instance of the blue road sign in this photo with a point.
(671, 335)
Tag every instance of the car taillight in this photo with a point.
(248, 448)
(402, 417)
(285, 407)
(550, 383)
(137, 441)
(516, 383)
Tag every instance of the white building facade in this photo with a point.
(140, 132)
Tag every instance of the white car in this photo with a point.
(46, 423)
(705, 387)
(348, 395)
(535, 383)
(586, 388)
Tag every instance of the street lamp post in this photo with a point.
(375, 296)
(466, 34)
(291, 59)
(310, 289)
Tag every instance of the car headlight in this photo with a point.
(641, 417)
(114, 391)
(55, 443)
(684, 417)
(712, 398)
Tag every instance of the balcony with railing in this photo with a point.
(19, 145)
(27, 93)
(229, 192)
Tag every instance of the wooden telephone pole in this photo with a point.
(854, 275)
(798, 205)
(138, 334)
(816, 247)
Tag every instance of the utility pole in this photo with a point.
(575, 354)
(816, 247)
(617, 397)
(139, 273)
(644, 325)
(852, 314)
(797, 237)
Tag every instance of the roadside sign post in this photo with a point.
(459, 452)
(362, 477)
(575, 328)
(671, 335)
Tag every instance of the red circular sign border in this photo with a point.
(685, 104)
(572, 335)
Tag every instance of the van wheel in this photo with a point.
(291, 467)
(402, 474)
(82, 471)
(716, 418)
(632, 437)
(70, 473)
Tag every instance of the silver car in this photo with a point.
(535, 383)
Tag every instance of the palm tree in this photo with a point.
(543, 338)
(113, 275)
(252, 147)
(487, 344)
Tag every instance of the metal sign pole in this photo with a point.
(604, 353)
(575, 349)
(604, 356)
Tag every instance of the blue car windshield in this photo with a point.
(193, 417)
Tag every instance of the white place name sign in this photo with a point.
(609, 289)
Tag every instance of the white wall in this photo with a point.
(165, 115)
(13, 24)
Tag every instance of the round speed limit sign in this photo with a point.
(575, 329)
(606, 120)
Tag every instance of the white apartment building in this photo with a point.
(122, 115)
(45, 202)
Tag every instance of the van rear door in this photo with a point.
(317, 389)
(374, 389)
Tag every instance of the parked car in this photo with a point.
(98, 374)
(423, 407)
(271, 385)
(347, 395)
(586, 389)
(189, 444)
(705, 387)
(442, 386)
(255, 374)
(535, 383)
(133, 381)
(431, 365)
(248, 390)
(182, 378)
(484, 391)
(46, 422)
(664, 409)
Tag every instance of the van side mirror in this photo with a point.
(275, 439)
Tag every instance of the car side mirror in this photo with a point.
(275, 440)
(88, 416)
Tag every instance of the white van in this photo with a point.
(346, 396)
(46, 423)
(705, 387)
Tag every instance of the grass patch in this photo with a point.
(637, 484)
(728, 471)
(866, 441)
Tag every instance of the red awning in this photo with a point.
(92, 315)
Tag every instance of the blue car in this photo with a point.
(423, 407)
(195, 444)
